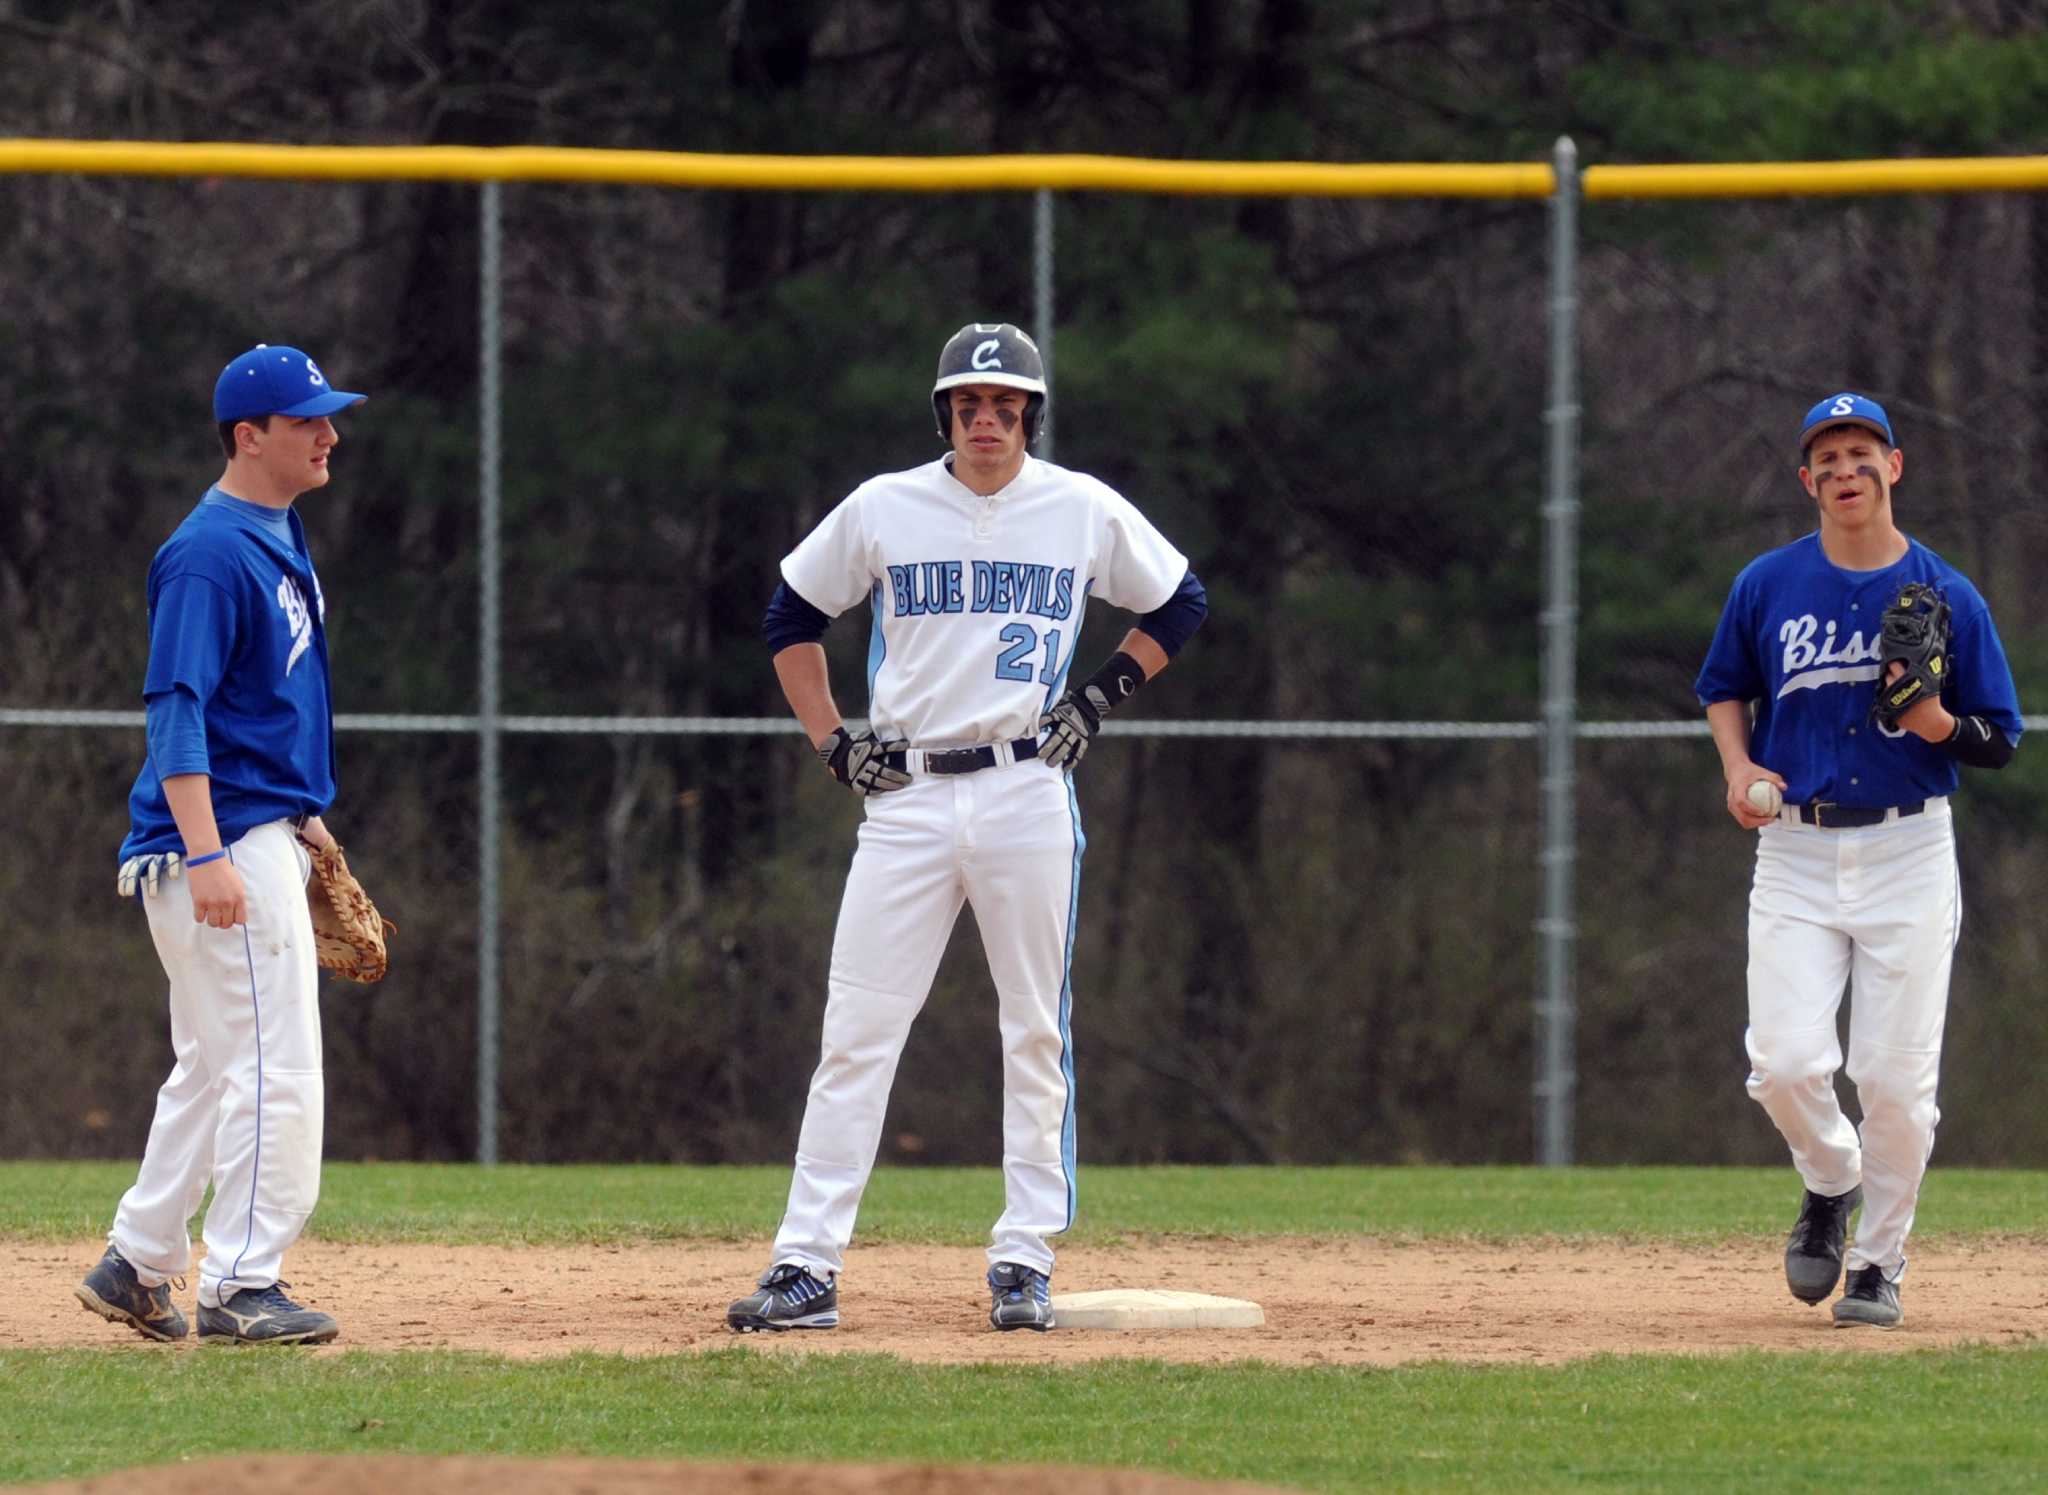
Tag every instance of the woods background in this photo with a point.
(1310, 951)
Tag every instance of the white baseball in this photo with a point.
(1764, 797)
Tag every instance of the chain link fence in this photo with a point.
(1311, 930)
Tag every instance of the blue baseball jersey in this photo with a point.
(1799, 635)
(236, 632)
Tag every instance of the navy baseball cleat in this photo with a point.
(1022, 1297)
(789, 1298)
(264, 1315)
(1869, 1299)
(1813, 1252)
(116, 1294)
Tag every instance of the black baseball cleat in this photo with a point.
(264, 1315)
(116, 1294)
(789, 1298)
(1869, 1300)
(1813, 1253)
(1022, 1297)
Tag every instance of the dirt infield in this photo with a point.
(1327, 1302)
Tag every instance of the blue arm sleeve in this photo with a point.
(177, 733)
(1174, 622)
(791, 620)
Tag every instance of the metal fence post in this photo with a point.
(1555, 1081)
(1041, 305)
(489, 794)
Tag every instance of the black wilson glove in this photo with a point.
(1073, 720)
(1914, 632)
(857, 760)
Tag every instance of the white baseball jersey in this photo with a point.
(978, 601)
(977, 609)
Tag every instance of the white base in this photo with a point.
(1152, 1308)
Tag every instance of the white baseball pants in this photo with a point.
(244, 1104)
(1008, 841)
(1877, 911)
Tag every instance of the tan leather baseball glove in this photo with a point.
(348, 932)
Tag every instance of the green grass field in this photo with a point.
(1973, 1418)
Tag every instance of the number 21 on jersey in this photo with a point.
(1014, 663)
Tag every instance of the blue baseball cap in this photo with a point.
(1845, 410)
(271, 379)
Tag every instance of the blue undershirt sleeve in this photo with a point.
(177, 733)
(1174, 622)
(791, 620)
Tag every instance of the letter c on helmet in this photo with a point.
(991, 353)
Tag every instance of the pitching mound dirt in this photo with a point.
(265, 1475)
(1355, 1302)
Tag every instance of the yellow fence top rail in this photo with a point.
(1012, 173)
(1820, 178)
(775, 173)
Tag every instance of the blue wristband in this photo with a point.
(211, 856)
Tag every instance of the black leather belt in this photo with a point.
(966, 760)
(1832, 817)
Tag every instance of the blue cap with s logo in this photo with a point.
(271, 379)
(1845, 410)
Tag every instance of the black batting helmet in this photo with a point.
(991, 353)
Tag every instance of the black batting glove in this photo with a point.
(860, 762)
(1070, 725)
(1072, 721)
